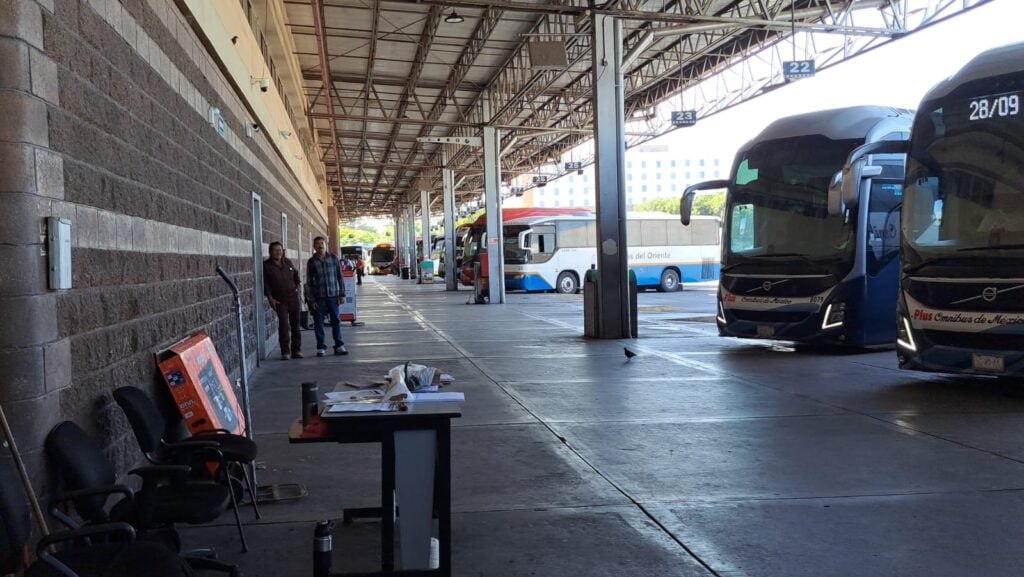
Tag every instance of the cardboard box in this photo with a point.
(199, 385)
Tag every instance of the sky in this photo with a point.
(896, 74)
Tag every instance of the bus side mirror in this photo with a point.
(686, 206)
(835, 195)
(686, 201)
(524, 239)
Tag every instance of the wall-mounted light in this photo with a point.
(454, 18)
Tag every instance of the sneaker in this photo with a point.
(296, 355)
(321, 352)
(285, 356)
(340, 350)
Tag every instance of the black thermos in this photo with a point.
(310, 401)
(322, 549)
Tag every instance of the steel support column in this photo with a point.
(451, 281)
(425, 226)
(610, 151)
(492, 197)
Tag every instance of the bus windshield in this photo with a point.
(778, 204)
(514, 254)
(964, 193)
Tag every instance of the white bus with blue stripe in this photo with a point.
(544, 253)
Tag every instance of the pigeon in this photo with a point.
(629, 354)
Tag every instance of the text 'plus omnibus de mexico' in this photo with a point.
(961, 299)
(554, 252)
(791, 270)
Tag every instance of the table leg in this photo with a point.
(444, 504)
(387, 500)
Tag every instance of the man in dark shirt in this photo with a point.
(281, 285)
(325, 290)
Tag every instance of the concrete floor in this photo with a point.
(701, 456)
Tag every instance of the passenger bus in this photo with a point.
(475, 235)
(554, 252)
(961, 297)
(355, 253)
(382, 259)
(791, 268)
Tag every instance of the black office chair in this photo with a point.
(111, 549)
(150, 428)
(166, 498)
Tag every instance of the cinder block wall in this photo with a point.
(103, 121)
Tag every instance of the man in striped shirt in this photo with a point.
(325, 290)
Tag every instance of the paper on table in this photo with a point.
(436, 397)
(361, 407)
(353, 395)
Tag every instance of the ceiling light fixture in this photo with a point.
(454, 18)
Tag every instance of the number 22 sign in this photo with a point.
(797, 69)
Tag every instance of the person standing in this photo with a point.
(325, 290)
(281, 285)
(359, 269)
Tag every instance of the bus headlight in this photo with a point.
(834, 316)
(721, 313)
(904, 337)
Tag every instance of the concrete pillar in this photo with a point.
(34, 361)
(609, 143)
(451, 281)
(425, 224)
(410, 218)
(492, 197)
(332, 229)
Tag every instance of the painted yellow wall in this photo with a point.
(221, 20)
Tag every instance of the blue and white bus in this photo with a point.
(554, 252)
(961, 298)
(791, 268)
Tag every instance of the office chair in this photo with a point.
(166, 498)
(149, 427)
(102, 550)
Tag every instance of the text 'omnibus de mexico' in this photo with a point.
(554, 252)
(791, 269)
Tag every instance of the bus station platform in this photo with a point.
(700, 456)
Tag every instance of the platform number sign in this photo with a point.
(540, 179)
(518, 191)
(797, 69)
(573, 166)
(684, 117)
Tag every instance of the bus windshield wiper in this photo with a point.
(991, 247)
(924, 263)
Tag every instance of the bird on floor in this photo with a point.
(629, 354)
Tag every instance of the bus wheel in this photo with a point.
(669, 281)
(567, 283)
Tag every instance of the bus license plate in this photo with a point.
(990, 363)
(765, 331)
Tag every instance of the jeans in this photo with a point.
(288, 335)
(330, 305)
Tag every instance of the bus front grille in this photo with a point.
(770, 316)
(983, 341)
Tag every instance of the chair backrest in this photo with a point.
(14, 520)
(81, 464)
(147, 422)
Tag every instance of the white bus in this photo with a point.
(554, 252)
